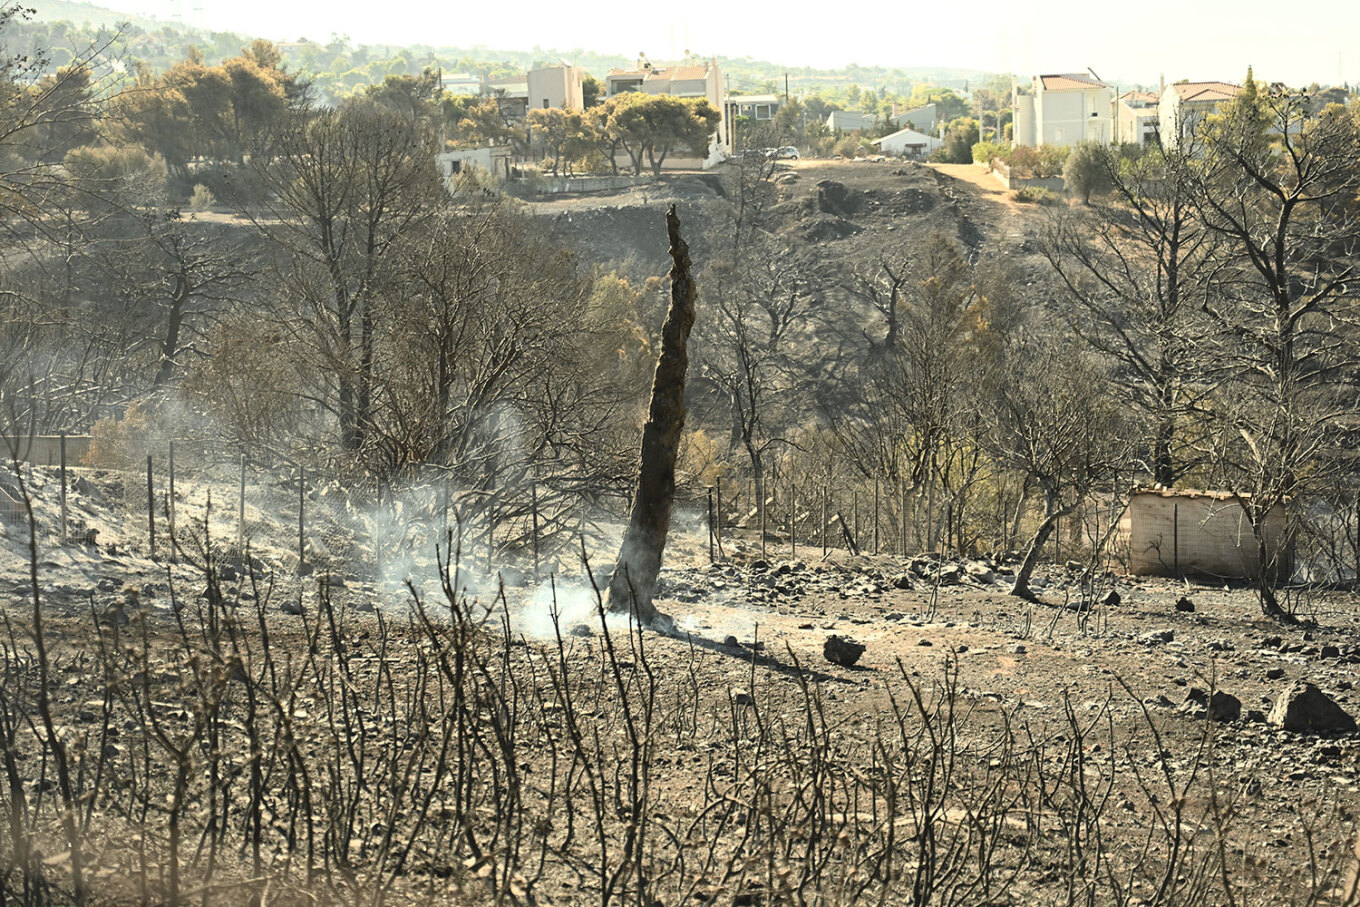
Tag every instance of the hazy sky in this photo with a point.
(1312, 40)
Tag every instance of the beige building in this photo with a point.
(1063, 109)
(556, 86)
(692, 79)
(1183, 105)
(1198, 533)
(1137, 118)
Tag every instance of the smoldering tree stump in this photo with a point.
(632, 586)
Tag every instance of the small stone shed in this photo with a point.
(1197, 533)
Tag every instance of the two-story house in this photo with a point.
(1137, 118)
(1063, 109)
(1184, 104)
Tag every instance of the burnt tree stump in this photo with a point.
(633, 583)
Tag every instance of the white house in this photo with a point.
(1063, 109)
(909, 143)
(1137, 118)
(1184, 104)
(493, 159)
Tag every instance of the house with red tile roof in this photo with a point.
(1137, 118)
(1063, 109)
(1183, 105)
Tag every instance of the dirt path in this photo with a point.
(982, 179)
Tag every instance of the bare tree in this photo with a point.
(1054, 421)
(1136, 268)
(1278, 185)
(346, 183)
(917, 415)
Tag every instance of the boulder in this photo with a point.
(842, 651)
(980, 573)
(1304, 709)
(949, 575)
(1218, 706)
(1185, 604)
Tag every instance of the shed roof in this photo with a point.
(906, 134)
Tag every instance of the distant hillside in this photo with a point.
(338, 68)
(89, 14)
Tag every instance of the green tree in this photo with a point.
(564, 134)
(948, 104)
(960, 137)
(591, 90)
(1087, 170)
(651, 127)
(415, 96)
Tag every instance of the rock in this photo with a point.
(741, 697)
(1305, 709)
(980, 573)
(1272, 642)
(731, 642)
(842, 650)
(1111, 599)
(1274, 673)
(1154, 637)
(925, 642)
(1219, 706)
(114, 615)
(1184, 604)
(949, 575)
(1329, 652)
(902, 581)
(1256, 716)
(1018, 649)
(291, 606)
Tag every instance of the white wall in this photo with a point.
(1069, 117)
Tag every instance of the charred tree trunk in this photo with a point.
(1052, 514)
(633, 584)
